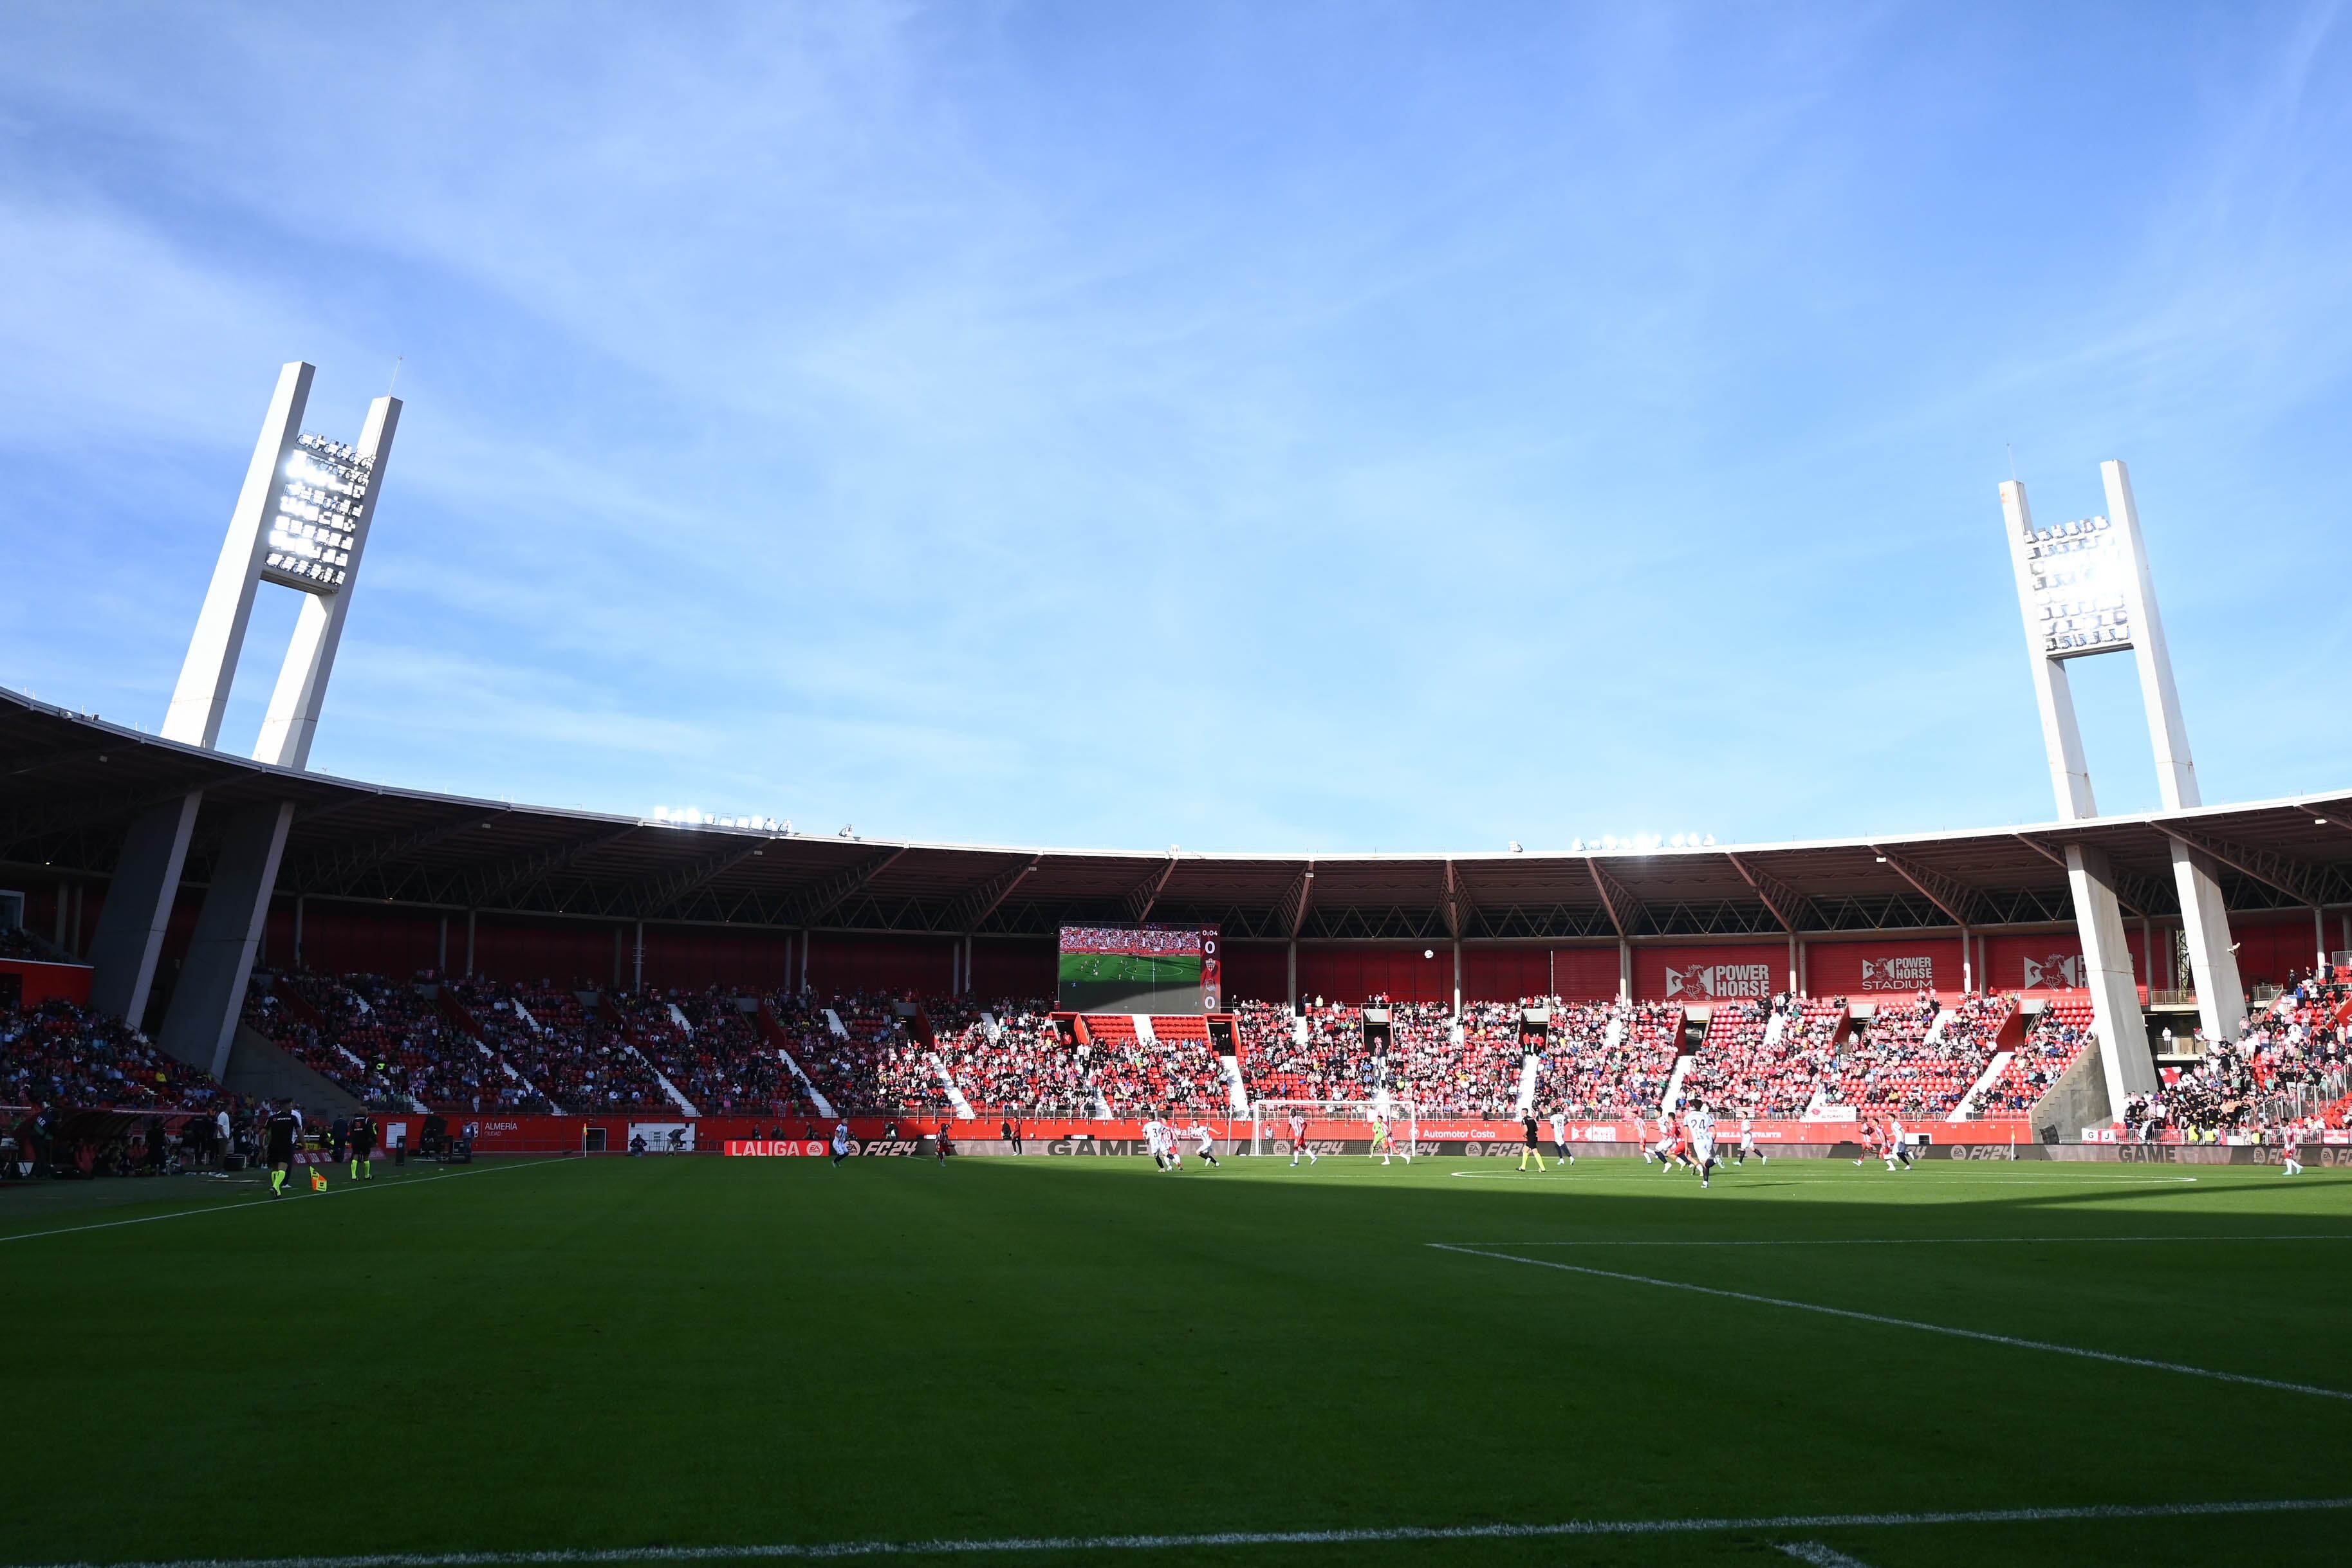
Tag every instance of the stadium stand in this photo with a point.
(1330, 1062)
(877, 1068)
(1905, 1064)
(1022, 1067)
(2288, 1066)
(1136, 1078)
(62, 1055)
(2051, 1046)
(1610, 1060)
(1477, 1077)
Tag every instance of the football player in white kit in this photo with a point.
(1699, 1123)
(1299, 1139)
(1897, 1147)
(1560, 1137)
(1747, 1141)
(1201, 1135)
(1155, 1140)
(2290, 1147)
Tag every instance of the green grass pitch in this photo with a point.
(615, 1354)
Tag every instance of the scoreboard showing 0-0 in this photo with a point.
(1139, 970)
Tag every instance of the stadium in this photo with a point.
(400, 1178)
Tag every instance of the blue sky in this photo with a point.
(1367, 426)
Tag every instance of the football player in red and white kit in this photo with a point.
(1665, 1147)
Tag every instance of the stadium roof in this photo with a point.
(70, 784)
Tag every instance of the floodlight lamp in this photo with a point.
(1710, 839)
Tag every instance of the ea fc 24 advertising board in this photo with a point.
(1139, 970)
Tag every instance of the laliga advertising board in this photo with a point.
(1166, 969)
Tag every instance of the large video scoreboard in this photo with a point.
(1139, 970)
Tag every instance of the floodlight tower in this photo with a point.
(302, 522)
(2085, 589)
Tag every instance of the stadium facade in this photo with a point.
(172, 868)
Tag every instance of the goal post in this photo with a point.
(1340, 1121)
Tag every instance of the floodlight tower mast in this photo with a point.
(300, 521)
(2085, 589)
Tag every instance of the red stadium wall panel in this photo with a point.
(563, 952)
(1009, 969)
(1584, 974)
(892, 966)
(1353, 972)
(2270, 950)
(2049, 962)
(38, 982)
(1257, 972)
(697, 957)
(358, 938)
(1861, 970)
(1507, 974)
(1701, 977)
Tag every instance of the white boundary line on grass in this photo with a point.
(820, 1551)
(1927, 1240)
(2038, 1178)
(1978, 1334)
(265, 1202)
(1819, 1555)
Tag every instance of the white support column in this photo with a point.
(2176, 772)
(1457, 979)
(469, 944)
(137, 908)
(1794, 975)
(2319, 939)
(2124, 1057)
(201, 698)
(200, 1024)
(2062, 737)
(2221, 993)
(1290, 974)
(1968, 964)
(1624, 970)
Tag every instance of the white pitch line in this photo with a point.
(1927, 1240)
(1819, 1555)
(795, 1551)
(2035, 1180)
(1978, 1334)
(265, 1202)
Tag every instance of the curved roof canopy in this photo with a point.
(69, 785)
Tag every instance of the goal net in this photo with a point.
(1357, 1122)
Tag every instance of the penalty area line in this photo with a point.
(344, 1191)
(817, 1551)
(1978, 1334)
